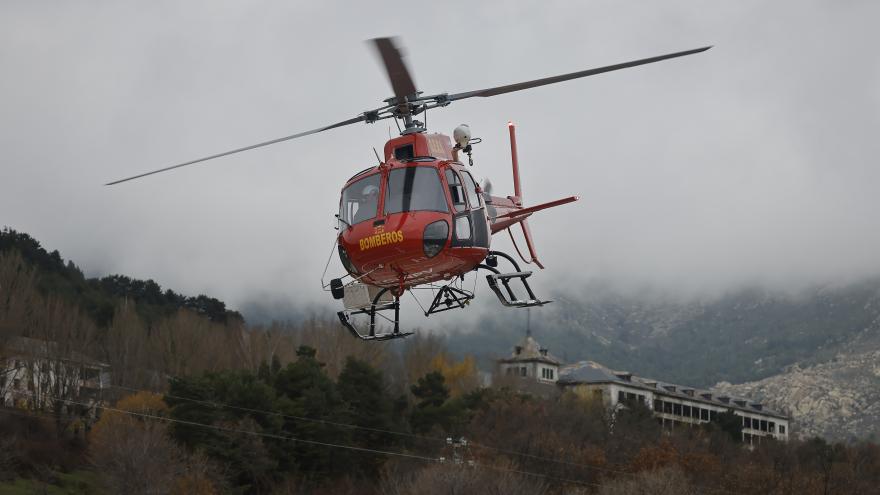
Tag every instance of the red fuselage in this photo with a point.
(386, 210)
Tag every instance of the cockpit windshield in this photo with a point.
(360, 200)
(414, 189)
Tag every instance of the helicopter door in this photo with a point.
(470, 227)
(456, 190)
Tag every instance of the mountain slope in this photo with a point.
(744, 336)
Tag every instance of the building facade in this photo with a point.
(37, 375)
(674, 406)
(530, 360)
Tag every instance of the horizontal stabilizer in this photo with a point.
(531, 209)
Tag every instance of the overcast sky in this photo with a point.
(754, 162)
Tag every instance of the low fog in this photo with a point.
(753, 163)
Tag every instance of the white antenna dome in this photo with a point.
(462, 135)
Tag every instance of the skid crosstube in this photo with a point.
(447, 298)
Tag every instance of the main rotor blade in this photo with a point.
(510, 88)
(401, 81)
(359, 118)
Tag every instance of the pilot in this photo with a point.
(369, 204)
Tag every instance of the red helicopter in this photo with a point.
(419, 219)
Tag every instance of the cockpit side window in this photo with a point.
(456, 190)
(471, 188)
(360, 200)
(414, 189)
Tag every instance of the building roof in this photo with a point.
(528, 349)
(592, 372)
(47, 349)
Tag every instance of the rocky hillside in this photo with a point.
(839, 399)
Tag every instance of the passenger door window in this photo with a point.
(456, 190)
(471, 187)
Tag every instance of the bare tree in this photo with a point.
(18, 301)
(459, 479)
(666, 481)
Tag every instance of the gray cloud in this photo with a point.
(750, 163)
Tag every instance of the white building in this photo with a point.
(529, 368)
(530, 360)
(674, 406)
(36, 374)
(532, 368)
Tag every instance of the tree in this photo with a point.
(666, 481)
(461, 377)
(305, 390)
(239, 404)
(362, 389)
(135, 455)
(434, 407)
(731, 424)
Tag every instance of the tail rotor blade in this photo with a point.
(510, 88)
(359, 118)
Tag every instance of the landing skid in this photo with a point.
(507, 296)
(447, 297)
(374, 310)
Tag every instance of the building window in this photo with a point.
(621, 396)
(763, 425)
(642, 399)
(667, 407)
(704, 414)
(747, 423)
(522, 371)
(782, 429)
(772, 427)
(552, 374)
(686, 411)
(658, 405)
(676, 409)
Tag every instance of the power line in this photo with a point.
(233, 430)
(404, 434)
(287, 416)
(294, 439)
(378, 430)
(342, 446)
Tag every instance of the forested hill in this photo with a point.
(98, 297)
